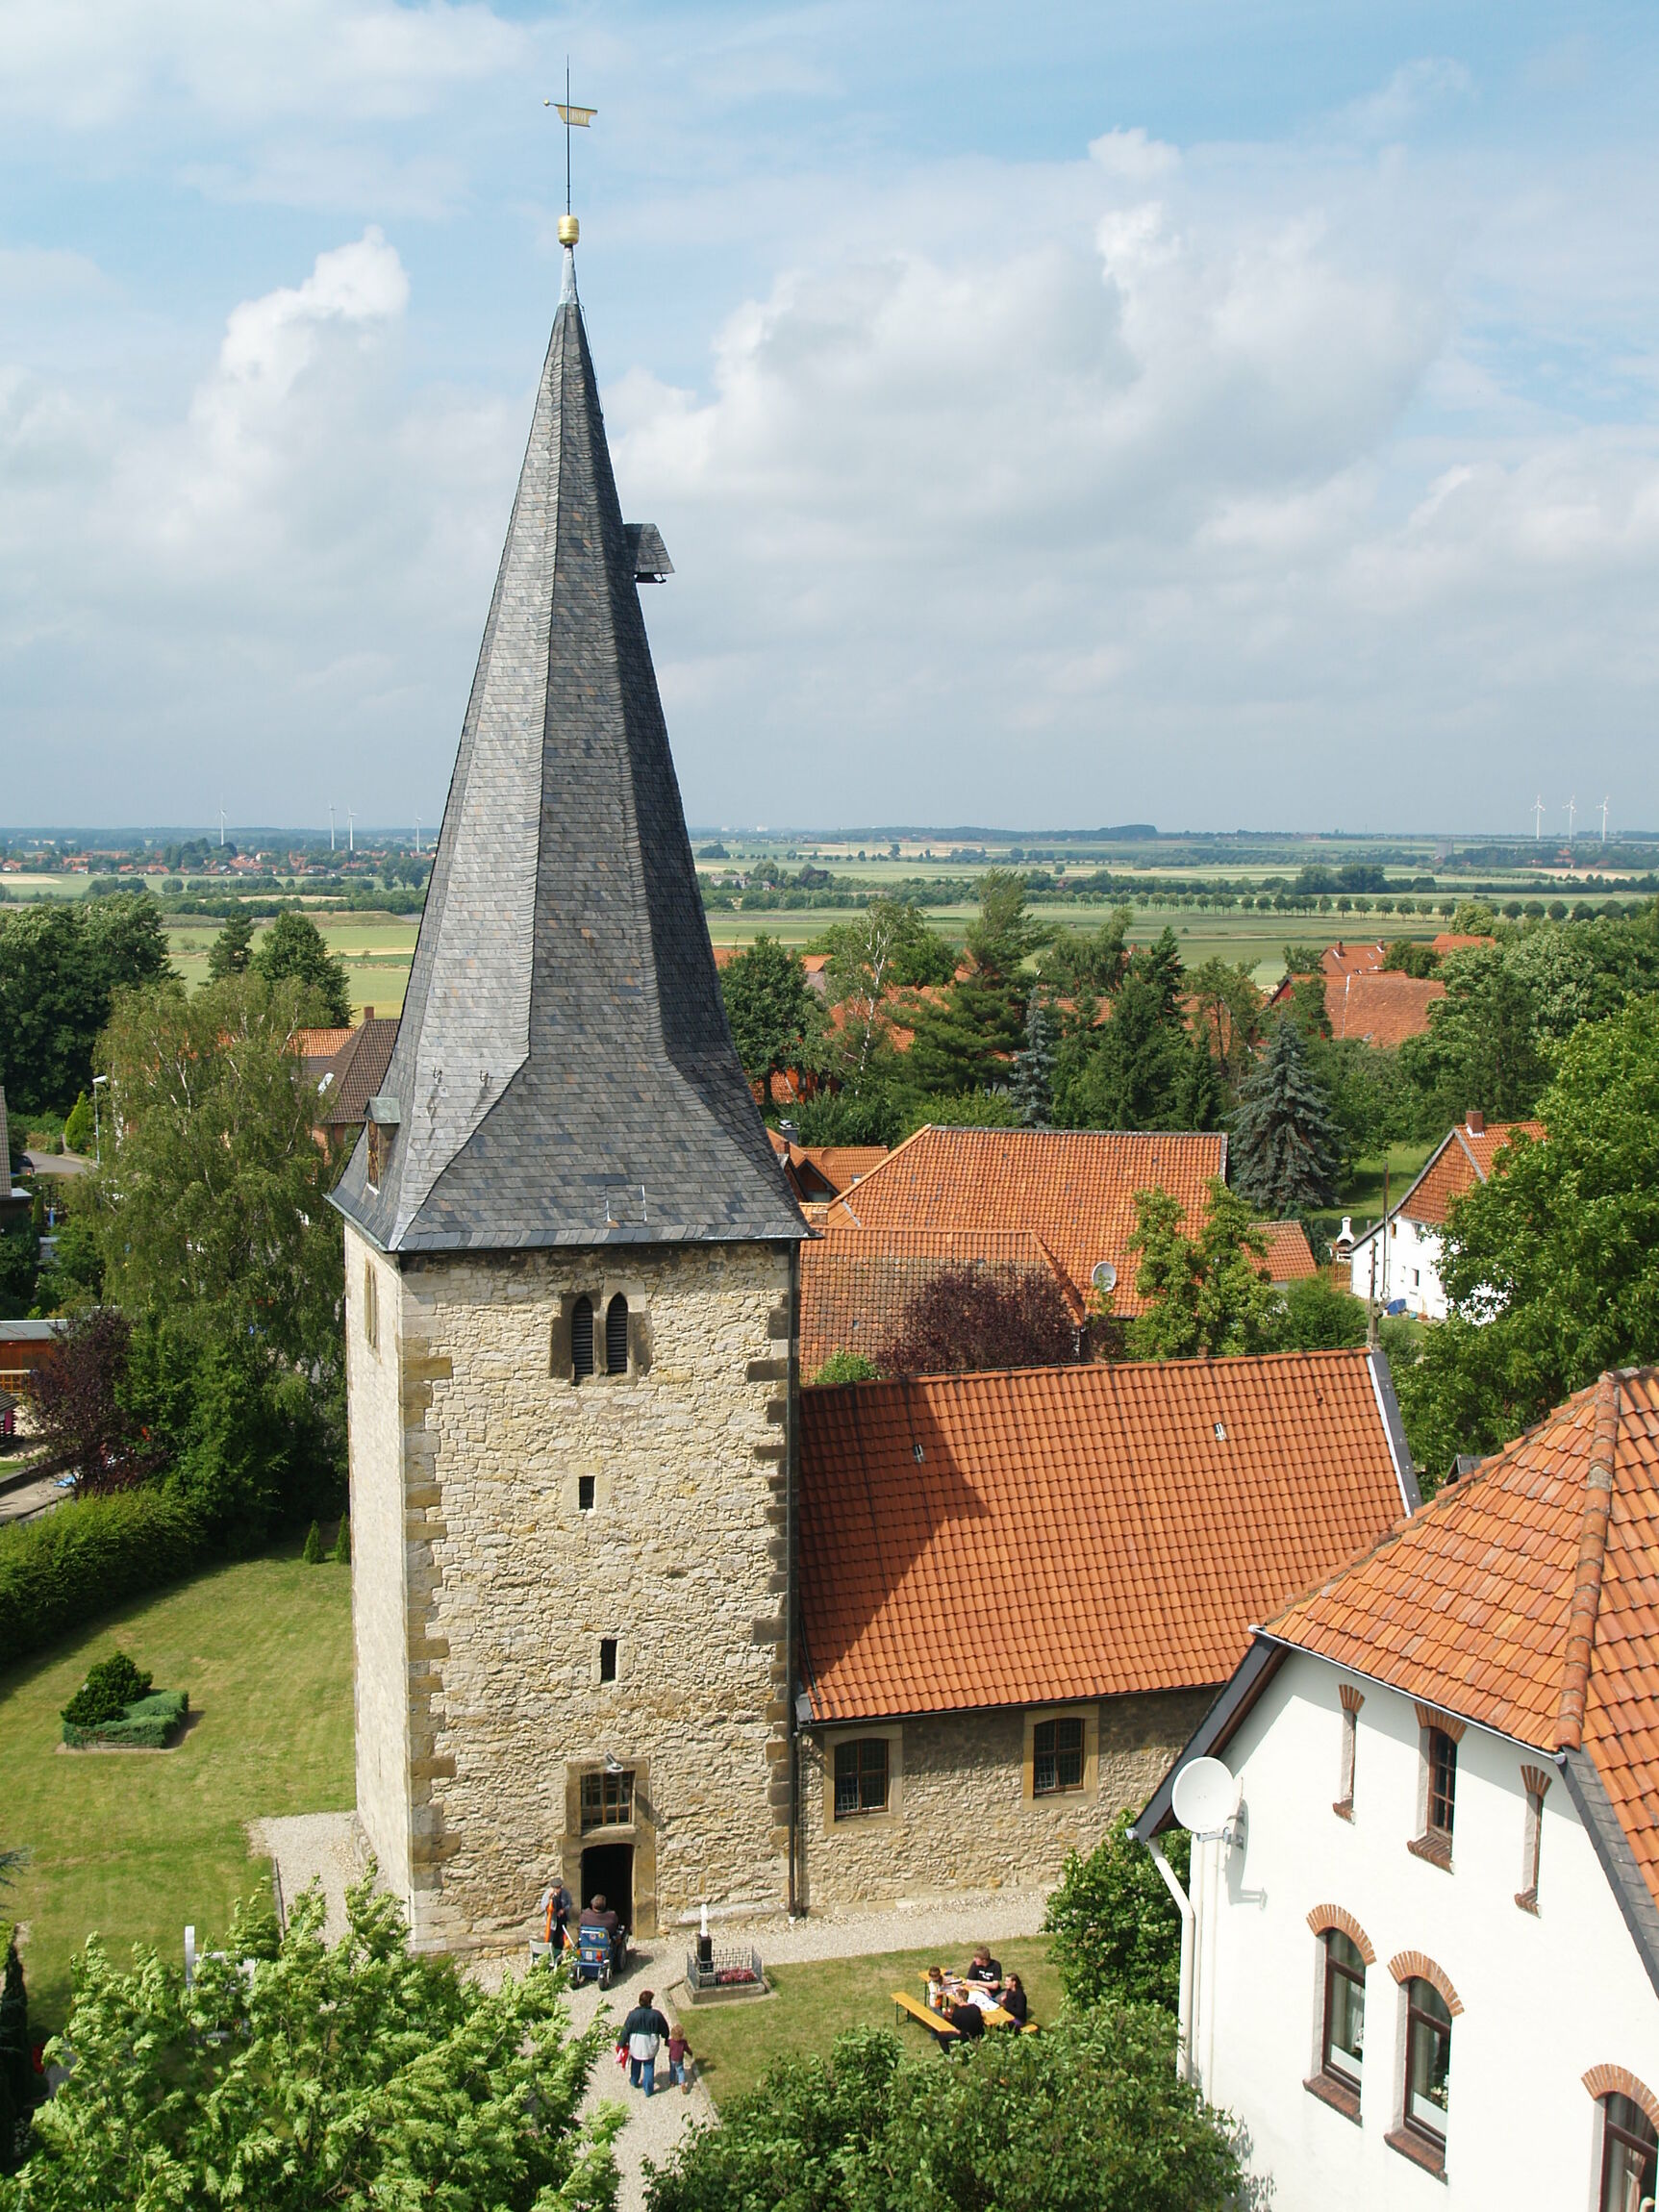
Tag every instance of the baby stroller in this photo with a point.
(593, 1957)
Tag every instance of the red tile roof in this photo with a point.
(819, 1172)
(1289, 1255)
(1341, 959)
(1446, 943)
(1383, 1009)
(1463, 1159)
(1526, 1597)
(856, 1284)
(1074, 1187)
(1074, 1532)
(356, 1073)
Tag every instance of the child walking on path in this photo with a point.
(679, 2055)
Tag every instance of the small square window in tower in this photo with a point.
(1056, 1758)
(617, 1336)
(585, 1488)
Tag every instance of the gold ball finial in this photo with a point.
(569, 230)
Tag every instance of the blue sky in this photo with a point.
(1215, 416)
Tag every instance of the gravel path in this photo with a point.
(313, 1847)
(327, 1846)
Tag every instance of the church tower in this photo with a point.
(571, 1263)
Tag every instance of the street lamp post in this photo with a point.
(99, 1082)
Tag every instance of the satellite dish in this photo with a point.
(1202, 1799)
(1105, 1277)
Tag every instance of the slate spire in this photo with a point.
(564, 1072)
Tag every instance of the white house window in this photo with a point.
(1426, 2089)
(1629, 2156)
(1437, 1800)
(1343, 2043)
(1534, 1782)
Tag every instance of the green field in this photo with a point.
(377, 951)
(136, 1844)
(735, 2043)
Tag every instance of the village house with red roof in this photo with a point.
(1018, 1592)
(1426, 1920)
(1396, 1262)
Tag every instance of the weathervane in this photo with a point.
(579, 118)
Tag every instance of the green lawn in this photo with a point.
(1361, 1195)
(735, 2043)
(136, 1844)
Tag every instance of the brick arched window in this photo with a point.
(1430, 2005)
(617, 1336)
(581, 1337)
(1629, 2138)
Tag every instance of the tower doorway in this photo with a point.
(608, 1870)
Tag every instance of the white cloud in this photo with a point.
(88, 64)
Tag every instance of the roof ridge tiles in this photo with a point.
(1591, 1567)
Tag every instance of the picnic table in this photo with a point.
(995, 2016)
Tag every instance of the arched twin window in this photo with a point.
(582, 1338)
(1630, 2110)
(617, 1336)
(583, 1347)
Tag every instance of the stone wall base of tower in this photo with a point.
(572, 1592)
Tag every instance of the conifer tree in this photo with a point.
(231, 951)
(341, 1552)
(1034, 1067)
(311, 1552)
(1285, 1145)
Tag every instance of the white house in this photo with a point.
(1400, 1257)
(1425, 1954)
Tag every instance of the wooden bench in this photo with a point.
(935, 2023)
(996, 2017)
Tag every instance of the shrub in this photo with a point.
(61, 1571)
(341, 1552)
(146, 1724)
(1117, 1933)
(111, 1685)
(78, 1127)
(16, 2068)
(312, 1552)
(1319, 1317)
(848, 1368)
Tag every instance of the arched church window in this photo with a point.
(582, 1338)
(617, 1336)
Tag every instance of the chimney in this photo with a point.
(368, 1013)
(1475, 1120)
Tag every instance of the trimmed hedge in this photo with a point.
(146, 1724)
(63, 1571)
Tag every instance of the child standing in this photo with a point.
(679, 2053)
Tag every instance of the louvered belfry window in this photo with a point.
(617, 1336)
(581, 1337)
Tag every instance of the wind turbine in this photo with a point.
(1537, 820)
(1571, 816)
(350, 831)
(331, 829)
(417, 836)
(221, 826)
(1604, 806)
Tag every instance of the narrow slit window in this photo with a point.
(1536, 1782)
(617, 1336)
(370, 1308)
(607, 1658)
(583, 1494)
(1056, 1758)
(1442, 1781)
(1352, 1700)
(582, 1338)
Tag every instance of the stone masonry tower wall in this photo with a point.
(517, 1520)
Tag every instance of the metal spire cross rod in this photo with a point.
(573, 118)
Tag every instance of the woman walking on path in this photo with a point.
(645, 2031)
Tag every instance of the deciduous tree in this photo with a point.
(969, 1318)
(1208, 1292)
(61, 964)
(776, 1018)
(295, 951)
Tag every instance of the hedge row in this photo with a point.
(64, 1571)
(148, 1724)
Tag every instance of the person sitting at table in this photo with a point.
(1014, 2000)
(967, 2019)
(984, 1968)
(936, 1992)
